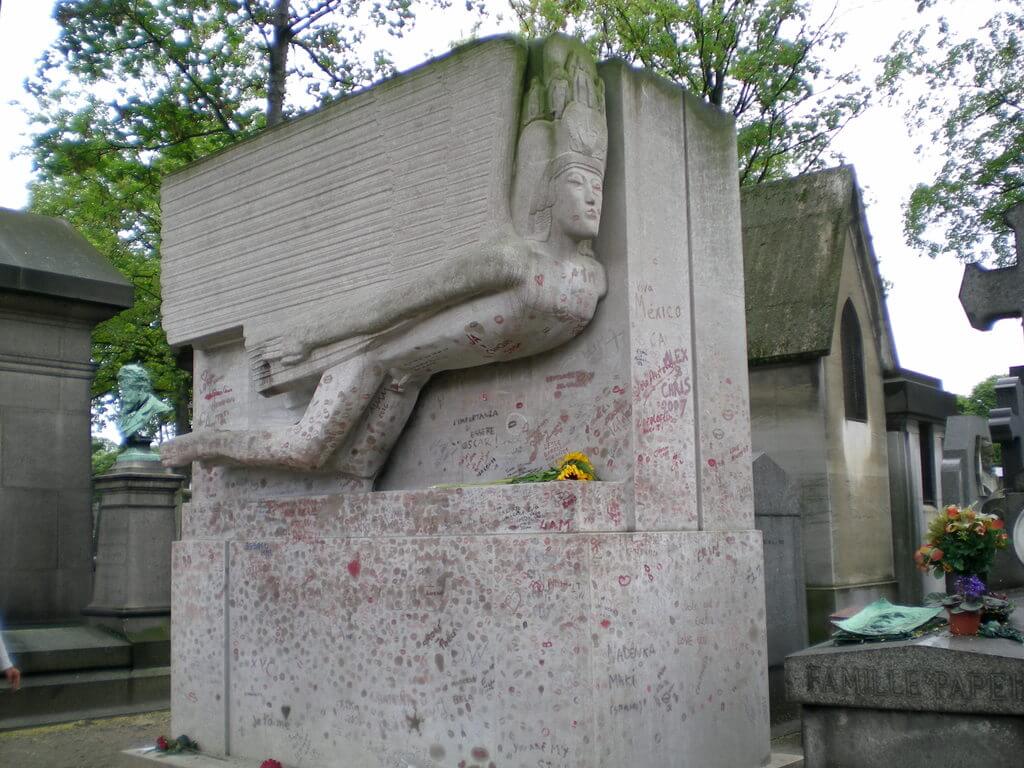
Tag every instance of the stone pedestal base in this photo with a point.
(554, 648)
(938, 700)
(132, 586)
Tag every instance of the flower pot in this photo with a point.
(965, 623)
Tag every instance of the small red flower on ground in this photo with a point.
(161, 743)
(271, 763)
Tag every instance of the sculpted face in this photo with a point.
(133, 385)
(577, 209)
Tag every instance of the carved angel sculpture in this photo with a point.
(525, 292)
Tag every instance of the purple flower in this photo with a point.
(971, 587)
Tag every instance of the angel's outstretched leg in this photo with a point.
(370, 443)
(336, 408)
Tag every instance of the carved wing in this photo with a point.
(344, 207)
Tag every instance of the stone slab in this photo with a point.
(566, 506)
(68, 696)
(367, 195)
(61, 649)
(869, 738)
(937, 673)
(199, 643)
(46, 255)
(523, 647)
(147, 756)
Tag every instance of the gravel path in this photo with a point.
(82, 744)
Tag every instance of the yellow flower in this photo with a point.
(571, 472)
(575, 456)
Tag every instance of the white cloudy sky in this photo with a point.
(931, 332)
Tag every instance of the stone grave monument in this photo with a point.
(503, 256)
(965, 477)
(55, 288)
(777, 516)
(940, 700)
(132, 588)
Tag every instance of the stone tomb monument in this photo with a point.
(463, 273)
(138, 497)
(54, 289)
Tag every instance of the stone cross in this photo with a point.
(1006, 423)
(988, 295)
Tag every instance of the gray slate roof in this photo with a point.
(45, 255)
(794, 234)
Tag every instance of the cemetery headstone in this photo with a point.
(939, 700)
(777, 516)
(348, 603)
(965, 479)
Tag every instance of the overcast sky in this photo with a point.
(931, 332)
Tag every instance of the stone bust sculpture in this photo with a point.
(138, 406)
(526, 292)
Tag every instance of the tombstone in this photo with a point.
(996, 294)
(937, 700)
(965, 479)
(55, 288)
(777, 516)
(336, 598)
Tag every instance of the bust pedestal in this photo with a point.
(132, 584)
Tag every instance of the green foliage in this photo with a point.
(763, 61)
(971, 95)
(981, 400)
(104, 454)
(134, 90)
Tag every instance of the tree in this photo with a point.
(981, 400)
(104, 454)
(134, 90)
(760, 60)
(970, 90)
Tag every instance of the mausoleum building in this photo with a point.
(819, 345)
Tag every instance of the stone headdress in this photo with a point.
(562, 125)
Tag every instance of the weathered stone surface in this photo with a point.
(567, 506)
(199, 647)
(133, 547)
(45, 256)
(869, 738)
(579, 624)
(990, 295)
(579, 650)
(45, 374)
(940, 673)
(777, 516)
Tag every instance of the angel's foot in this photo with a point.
(181, 450)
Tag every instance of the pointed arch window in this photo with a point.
(854, 394)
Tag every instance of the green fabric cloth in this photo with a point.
(882, 619)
